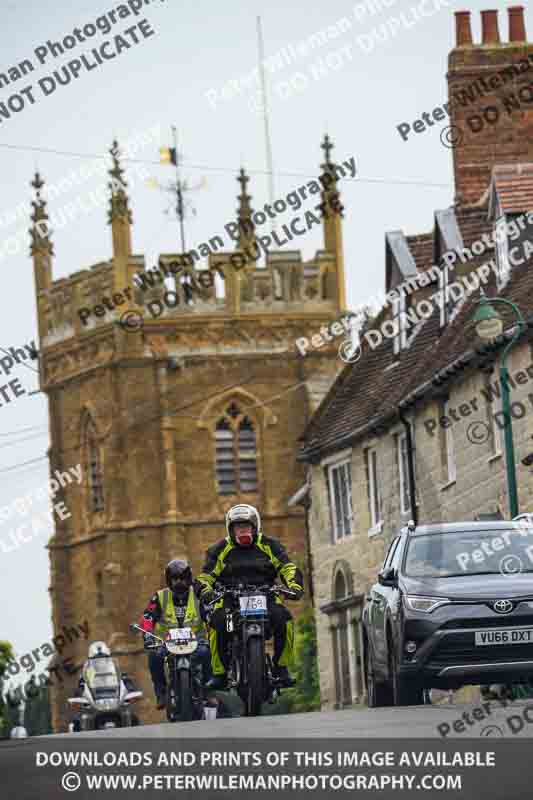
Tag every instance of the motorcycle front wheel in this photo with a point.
(256, 677)
(179, 700)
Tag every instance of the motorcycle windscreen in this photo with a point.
(102, 678)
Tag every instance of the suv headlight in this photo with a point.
(425, 604)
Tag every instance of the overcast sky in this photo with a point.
(175, 77)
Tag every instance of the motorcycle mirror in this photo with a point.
(78, 701)
(133, 697)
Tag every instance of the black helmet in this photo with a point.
(178, 568)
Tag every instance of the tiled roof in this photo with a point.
(514, 186)
(367, 394)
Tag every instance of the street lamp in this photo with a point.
(489, 325)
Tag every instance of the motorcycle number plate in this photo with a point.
(180, 634)
(253, 604)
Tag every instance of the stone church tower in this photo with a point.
(175, 421)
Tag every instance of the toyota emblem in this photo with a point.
(503, 606)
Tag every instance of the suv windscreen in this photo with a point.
(445, 555)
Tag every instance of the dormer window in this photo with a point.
(404, 316)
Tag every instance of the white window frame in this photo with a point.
(450, 447)
(404, 478)
(398, 308)
(502, 253)
(344, 468)
(446, 306)
(376, 518)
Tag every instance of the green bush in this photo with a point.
(6, 654)
(305, 695)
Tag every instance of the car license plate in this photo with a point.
(504, 636)
(253, 604)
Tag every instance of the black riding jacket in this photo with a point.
(264, 561)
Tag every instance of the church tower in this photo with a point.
(177, 417)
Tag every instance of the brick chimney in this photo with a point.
(489, 27)
(463, 32)
(491, 108)
(517, 28)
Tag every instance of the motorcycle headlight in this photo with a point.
(424, 604)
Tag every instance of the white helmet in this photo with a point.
(99, 650)
(242, 513)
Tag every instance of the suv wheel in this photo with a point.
(379, 694)
(405, 691)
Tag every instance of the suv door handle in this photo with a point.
(369, 599)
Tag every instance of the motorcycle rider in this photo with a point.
(98, 650)
(93, 664)
(171, 607)
(247, 556)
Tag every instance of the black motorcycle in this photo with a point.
(185, 694)
(250, 670)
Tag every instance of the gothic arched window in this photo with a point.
(94, 469)
(236, 456)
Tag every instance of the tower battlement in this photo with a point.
(181, 292)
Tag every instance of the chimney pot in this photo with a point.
(489, 26)
(517, 28)
(463, 32)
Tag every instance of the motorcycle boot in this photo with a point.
(217, 683)
(161, 696)
(282, 677)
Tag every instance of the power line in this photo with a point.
(23, 464)
(24, 430)
(175, 412)
(25, 439)
(21, 362)
(206, 167)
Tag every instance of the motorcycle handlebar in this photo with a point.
(135, 627)
(237, 591)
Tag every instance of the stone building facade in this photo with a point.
(423, 387)
(176, 419)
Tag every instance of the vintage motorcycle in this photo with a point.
(250, 670)
(185, 694)
(105, 702)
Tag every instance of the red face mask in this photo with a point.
(244, 538)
